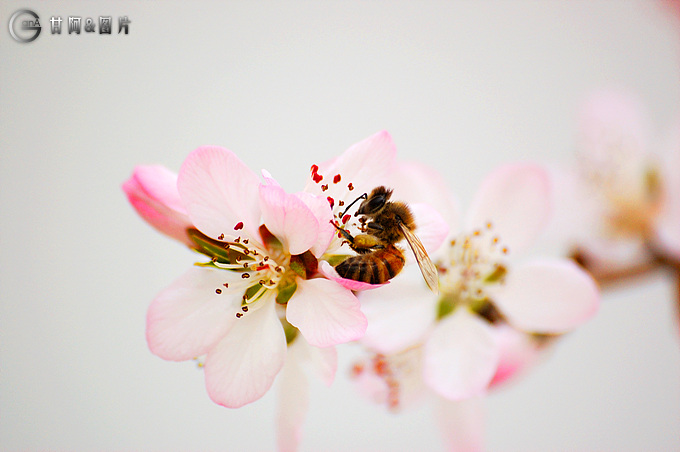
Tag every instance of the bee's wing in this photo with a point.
(427, 267)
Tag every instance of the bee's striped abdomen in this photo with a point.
(374, 268)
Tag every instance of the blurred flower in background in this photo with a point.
(493, 314)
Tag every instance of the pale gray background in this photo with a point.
(461, 85)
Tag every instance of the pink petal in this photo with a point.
(242, 366)
(431, 228)
(461, 423)
(293, 401)
(461, 356)
(324, 361)
(366, 165)
(414, 182)
(325, 313)
(329, 272)
(220, 193)
(548, 296)
(517, 352)
(269, 179)
(152, 191)
(515, 199)
(322, 211)
(399, 315)
(288, 218)
(188, 318)
(613, 116)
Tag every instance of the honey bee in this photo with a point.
(384, 223)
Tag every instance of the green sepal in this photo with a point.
(335, 259)
(497, 275)
(290, 331)
(446, 305)
(252, 290)
(270, 242)
(286, 288)
(215, 249)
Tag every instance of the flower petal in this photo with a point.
(322, 211)
(188, 318)
(220, 192)
(324, 361)
(461, 356)
(288, 218)
(329, 272)
(325, 313)
(548, 296)
(152, 191)
(517, 352)
(461, 424)
(242, 366)
(431, 228)
(293, 398)
(399, 315)
(414, 182)
(515, 199)
(366, 165)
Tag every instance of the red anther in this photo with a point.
(324, 187)
(331, 201)
(262, 267)
(221, 237)
(380, 366)
(350, 186)
(346, 218)
(336, 179)
(357, 370)
(226, 284)
(315, 168)
(317, 177)
(238, 226)
(245, 276)
(218, 291)
(239, 315)
(341, 203)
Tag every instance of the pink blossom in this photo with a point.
(241, 309)
(621, 197)
(481, 289)
(269, 279)
(152, 191)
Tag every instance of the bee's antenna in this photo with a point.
(364, 196)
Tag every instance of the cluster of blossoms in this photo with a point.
(266, 298)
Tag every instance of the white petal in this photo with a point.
(219, 191)
(243, 365)
(293, 398)
(188, 318)
(515, 199)
(461, 356)
(288, 218)
(399, 315)
(431, 228)
(366, 165)
(325, 313)
(414, 182)
(548, 296)
(322, 211)
(462, 424)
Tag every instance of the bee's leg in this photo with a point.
(375, 226)
(348, 237)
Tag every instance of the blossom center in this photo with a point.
(475, 262)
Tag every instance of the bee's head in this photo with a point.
(375, 202)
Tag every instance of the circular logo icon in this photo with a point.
(24, 26)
